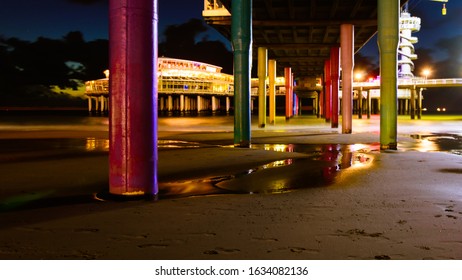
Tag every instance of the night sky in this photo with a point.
(439, 47)
(28, 19)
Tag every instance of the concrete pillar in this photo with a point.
(316, 105)
(241, 39)
(335, 76)
(89, 103)
(419, 102)
(161, 103)
(101, 101)
(96, 103)
(214, 103)
(406, 106)
(181, 103)
(369, 104)
(288, 80)
(272, 90)
(228, 104)
(133, 113)
(321, 104)
(199, 103)
(347, 57)
(388, 37)
(170, 103)
(262, 73)
(328, 91)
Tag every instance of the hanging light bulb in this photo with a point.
(443, 11)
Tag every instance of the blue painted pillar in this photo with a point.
(133, 102)
(241, 38)
(388, 38)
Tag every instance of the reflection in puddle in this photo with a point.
(96, 144)
(442, 142)
(320, 169)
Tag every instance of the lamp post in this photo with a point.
(426, 73)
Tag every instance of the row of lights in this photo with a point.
(360, 75)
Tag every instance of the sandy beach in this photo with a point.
(319, 195)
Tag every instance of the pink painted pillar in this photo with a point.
(347, 49)
(335, 75)
(288, 81)
(292, 95)
(133, 89)
(328, 91)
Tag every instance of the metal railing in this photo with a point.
(418, 82)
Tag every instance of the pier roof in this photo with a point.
(300, 33)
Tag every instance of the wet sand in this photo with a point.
(404, 204)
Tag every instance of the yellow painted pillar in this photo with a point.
(262, 73)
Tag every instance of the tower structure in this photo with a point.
(407, 25)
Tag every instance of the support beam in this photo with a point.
(369, 104)
(272, 90)
(199, 103)
(413, 95)
(288, 79)
(419, 104)
(182, 103)
(89, 103)
(133, 86)
(228, 104)
(388, 37)
(262, 74)
(347, 56)
(335, 76)
(328, 91)
(241, 39)
(169, 103)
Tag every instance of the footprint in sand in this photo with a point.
(220, 250)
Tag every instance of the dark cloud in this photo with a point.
(87, 2)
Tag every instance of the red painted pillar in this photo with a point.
(335, 75)
(347, 49)
(133, 102)
(328, 91)
(288, 81)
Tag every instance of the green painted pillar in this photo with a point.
(241, 39)
(262, 73)
(388, 37)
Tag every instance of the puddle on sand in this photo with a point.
(317, 170)
(436, 142)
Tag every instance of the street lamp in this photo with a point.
(359, 76)
(426, 72)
